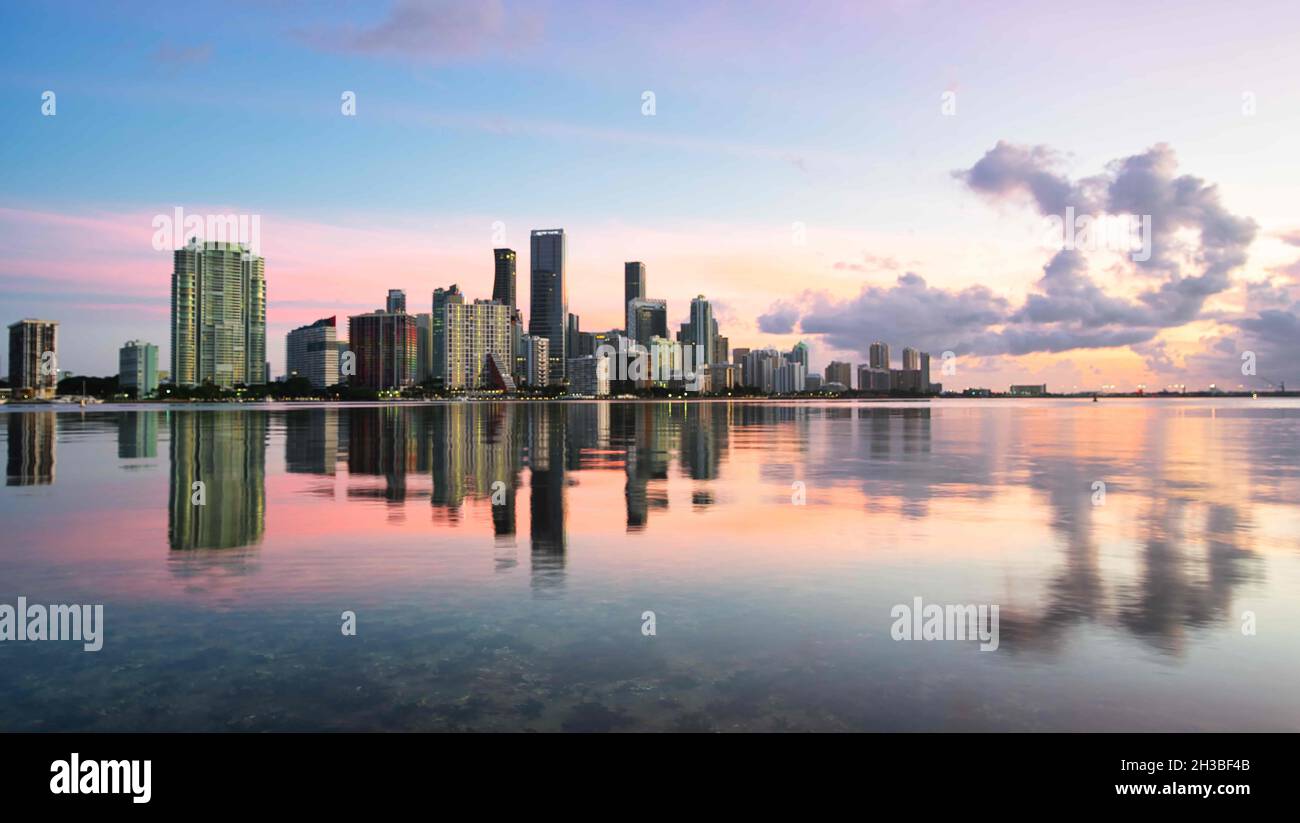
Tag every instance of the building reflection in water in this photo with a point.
(30, 437)
(226, 452)
(137, 435)
(1192, 554)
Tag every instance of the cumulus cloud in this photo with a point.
(912, 312)
(780, 318)
(1196, 244)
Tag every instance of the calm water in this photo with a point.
(769, 615)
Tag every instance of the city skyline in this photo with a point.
(817, 219)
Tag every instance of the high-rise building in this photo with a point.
(503, 284)
(396, 301)
(633, 286)
(218, 315)
(33, 358)
(839, 372)
(438, 335)
(878, 356)
(137, 367)
(925, 372)
(589, 375)
(788, 377)
(476, 332)
(700, 333)
(647, 319)
(537, 360)
(423, 347)
(384, 344)
(571, 337)
(721, 349)
(549, 302)
(312, 352)
(873, 380)
(799, 354)
(911, 359)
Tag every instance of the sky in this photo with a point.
(836, 173)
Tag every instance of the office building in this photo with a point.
(721, 349)
(646, 320)
(218, 315)
(33, 358)
(423, 347)
(137, 368)
(385, 345)
(633, 286)
(396, 302)
(701, 331)
(571, 337)
(548, 298)
(799, 354)
(503, 282)
(313, 352)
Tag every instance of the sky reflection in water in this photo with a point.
(769, 615)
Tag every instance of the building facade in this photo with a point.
(385, 347)
(549, 301)
(476, 331)
(218, 315)
(33, 358)
(840, 372)
(647, 319)
(438, 330)
(137, 367)
(504, 279)
(633, 285)
(537, 360)
(312, 352)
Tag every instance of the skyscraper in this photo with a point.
(476, 332)
(571, 336)
(878, 356)
(423, 347)
(312, 352)
(33, 373)
(137, 367)
(537, 361)
(633, 285)
(438, 335)
(384, 344)
(700, 333)
(396, 301)
(799, 354)
(911, 359)
(503, 285)
(646, 319)
(840, 372)
(218, 315)
(547, 295)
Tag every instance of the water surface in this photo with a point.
(500, 558)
